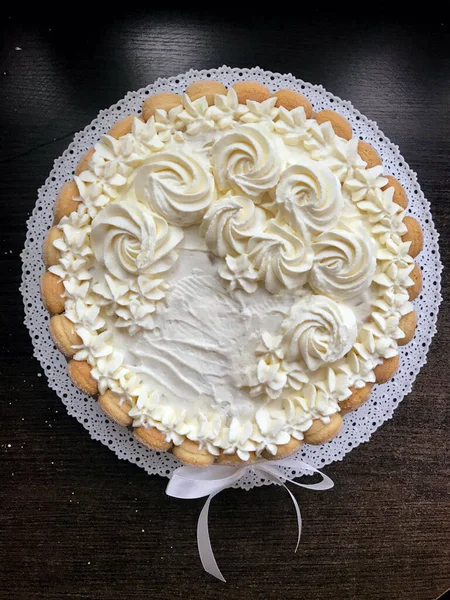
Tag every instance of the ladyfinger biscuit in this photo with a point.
(65, 203)
(399, 196)
(387, 369)
(283, 450)
(341, 126)
(233, 460)
(83, 165)
(408, 324)
(50, 254)
(358, 398)
(290, 100)
(64, 335)
(110, 404)
(122, 127)
(416, 276)
(369, 154)
(161, 101)
(413, 235)
(52, 292)
(320, 432)
(80, 374)
(190, 453)
(205, 88)
(152, 438)
(251, 90)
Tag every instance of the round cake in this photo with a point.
(230, 273)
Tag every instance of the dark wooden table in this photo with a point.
(76, 522)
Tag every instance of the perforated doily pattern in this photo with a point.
(359, 425)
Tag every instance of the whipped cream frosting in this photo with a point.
(319, 331)
(246, 161)
(280, 256)
(233, 271)
(309, 197)
(176, 186)
(344, 263)
(128, 240)
(230, 223)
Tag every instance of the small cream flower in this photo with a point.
(295, 375)
(108, 371)
(344, 159)
(226, 110)
(321, 140)
(271, 433)
(292, 125)
(239, 274)
(259, 112)
(195, 115)
(365, 181)
(270, 349)
(236, 439)
(271, 380)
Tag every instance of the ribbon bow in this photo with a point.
(190, 482)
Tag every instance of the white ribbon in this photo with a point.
(191, 482)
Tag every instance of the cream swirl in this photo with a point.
(309, 197)
(245, 161)
(319, 331)
(175, 186)
(344, 264)
(281, 258)
(129, 240)
(230, 223)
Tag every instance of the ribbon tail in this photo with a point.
(205, 550)
(299, 515)
(277, 479)
(326, 482)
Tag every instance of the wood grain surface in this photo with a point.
(76, 522)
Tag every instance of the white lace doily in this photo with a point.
(359, 425)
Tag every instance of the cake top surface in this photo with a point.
(233, 271)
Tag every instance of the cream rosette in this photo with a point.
(230, 223)
(309, 198)
(281, 258)
(319, 331)
(176, 186)
(246, 162)
(344, 264)
(130, 240)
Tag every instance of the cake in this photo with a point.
(230, 273)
